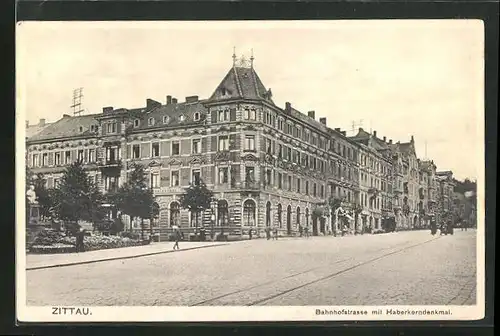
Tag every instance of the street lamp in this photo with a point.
(212, 219)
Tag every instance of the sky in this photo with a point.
(399, 77)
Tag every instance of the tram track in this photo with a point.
(225, 299)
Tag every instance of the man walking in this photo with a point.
(275, 233)
(80, 246)
(177, 236)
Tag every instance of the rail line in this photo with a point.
(242, 290)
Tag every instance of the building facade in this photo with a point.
(267, 165)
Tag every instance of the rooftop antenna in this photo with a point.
(77, 102)
(251, 58)
(234, 56)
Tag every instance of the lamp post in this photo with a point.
(212, 219)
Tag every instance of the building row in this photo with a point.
(267, 165)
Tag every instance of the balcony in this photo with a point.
(250, 185)
(109, 163)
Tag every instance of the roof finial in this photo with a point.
(234, 56)
(251, 58)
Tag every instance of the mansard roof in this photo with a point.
(66, 127)
(241, 82)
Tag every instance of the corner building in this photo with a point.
(267, 166)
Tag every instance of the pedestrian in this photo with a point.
(300, 230)
(275, 233)
(306, 231)
(268, 232)
(80, 245)
(433, 227)
(177, 236)
(250, 234)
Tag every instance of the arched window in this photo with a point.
(151, 121)
(175, 214)
(222, 213)
(280, 222)
(298, 216)
(137, 122)
(196, 116)
(165, 119)
(249, 213)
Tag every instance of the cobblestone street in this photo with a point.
(404, 268)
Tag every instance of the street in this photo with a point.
(403, 268)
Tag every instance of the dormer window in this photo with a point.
(151, 121)
(223, 91)
(196, 116)
(80, 129)
(137, 122)
(165, 119)
(93, 128)
(182, 118)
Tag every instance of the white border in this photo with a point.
(261, 313)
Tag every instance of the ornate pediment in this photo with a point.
(155, 163)
(198, 159)
(250, 157)
(175, 162)
(269, 159)
(222, 156)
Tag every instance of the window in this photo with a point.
(288, 153)
(314, 189)
(111, 154)
(110, 183)
(249, 213)
(222, 213)
(269, 146)
(298, 185)
(155, 149)
(151, 121)
(45, 159)
(307, 187)
(299, 133)
(224, 115)
(182, 117)
(196, 146)
(250, 114)
(223, 142)
(34, 160)
(80, 129)
(322, 191)
(280, 180)
(223, 175)
(57, 159)
(136, 151)
(196, 116)
(289, 183)
(280, 151)
(155, 180)
(196, 176)
(269, 173)
(175, 214)
(111, 127)
(56, 182)
(249, 174)
(67, 157)
(250, 142)
(166, 119)
(175, 178)
(176, 150)
(91, 155)
(80, 155)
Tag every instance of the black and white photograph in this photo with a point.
(250, 171)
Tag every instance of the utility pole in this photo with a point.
(77, 102)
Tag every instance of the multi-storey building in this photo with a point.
(427, 205)
(268, 166)
(375, 180)
(446, 185)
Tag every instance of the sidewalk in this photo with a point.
(40, 261)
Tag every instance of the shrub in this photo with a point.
(49, 237)
(131, 235)
(378, 231)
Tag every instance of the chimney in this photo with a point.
(66, 116)
(169, 99)
(151, 103)
(337, 129)
(360, 129)
(174, 100)
(107, 109)
(288, 107)
(191, 99)
(375, 134)
(412, 139)
(390, 141)
(385, 139)
(311, 114)
(322, 120)
(343, 133)
(41, 122)
(27, 123)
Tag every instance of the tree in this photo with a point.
(135, 198)
(77, 198)
(196, 198)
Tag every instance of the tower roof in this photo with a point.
(241, 81)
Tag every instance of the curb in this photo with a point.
(118, 258)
